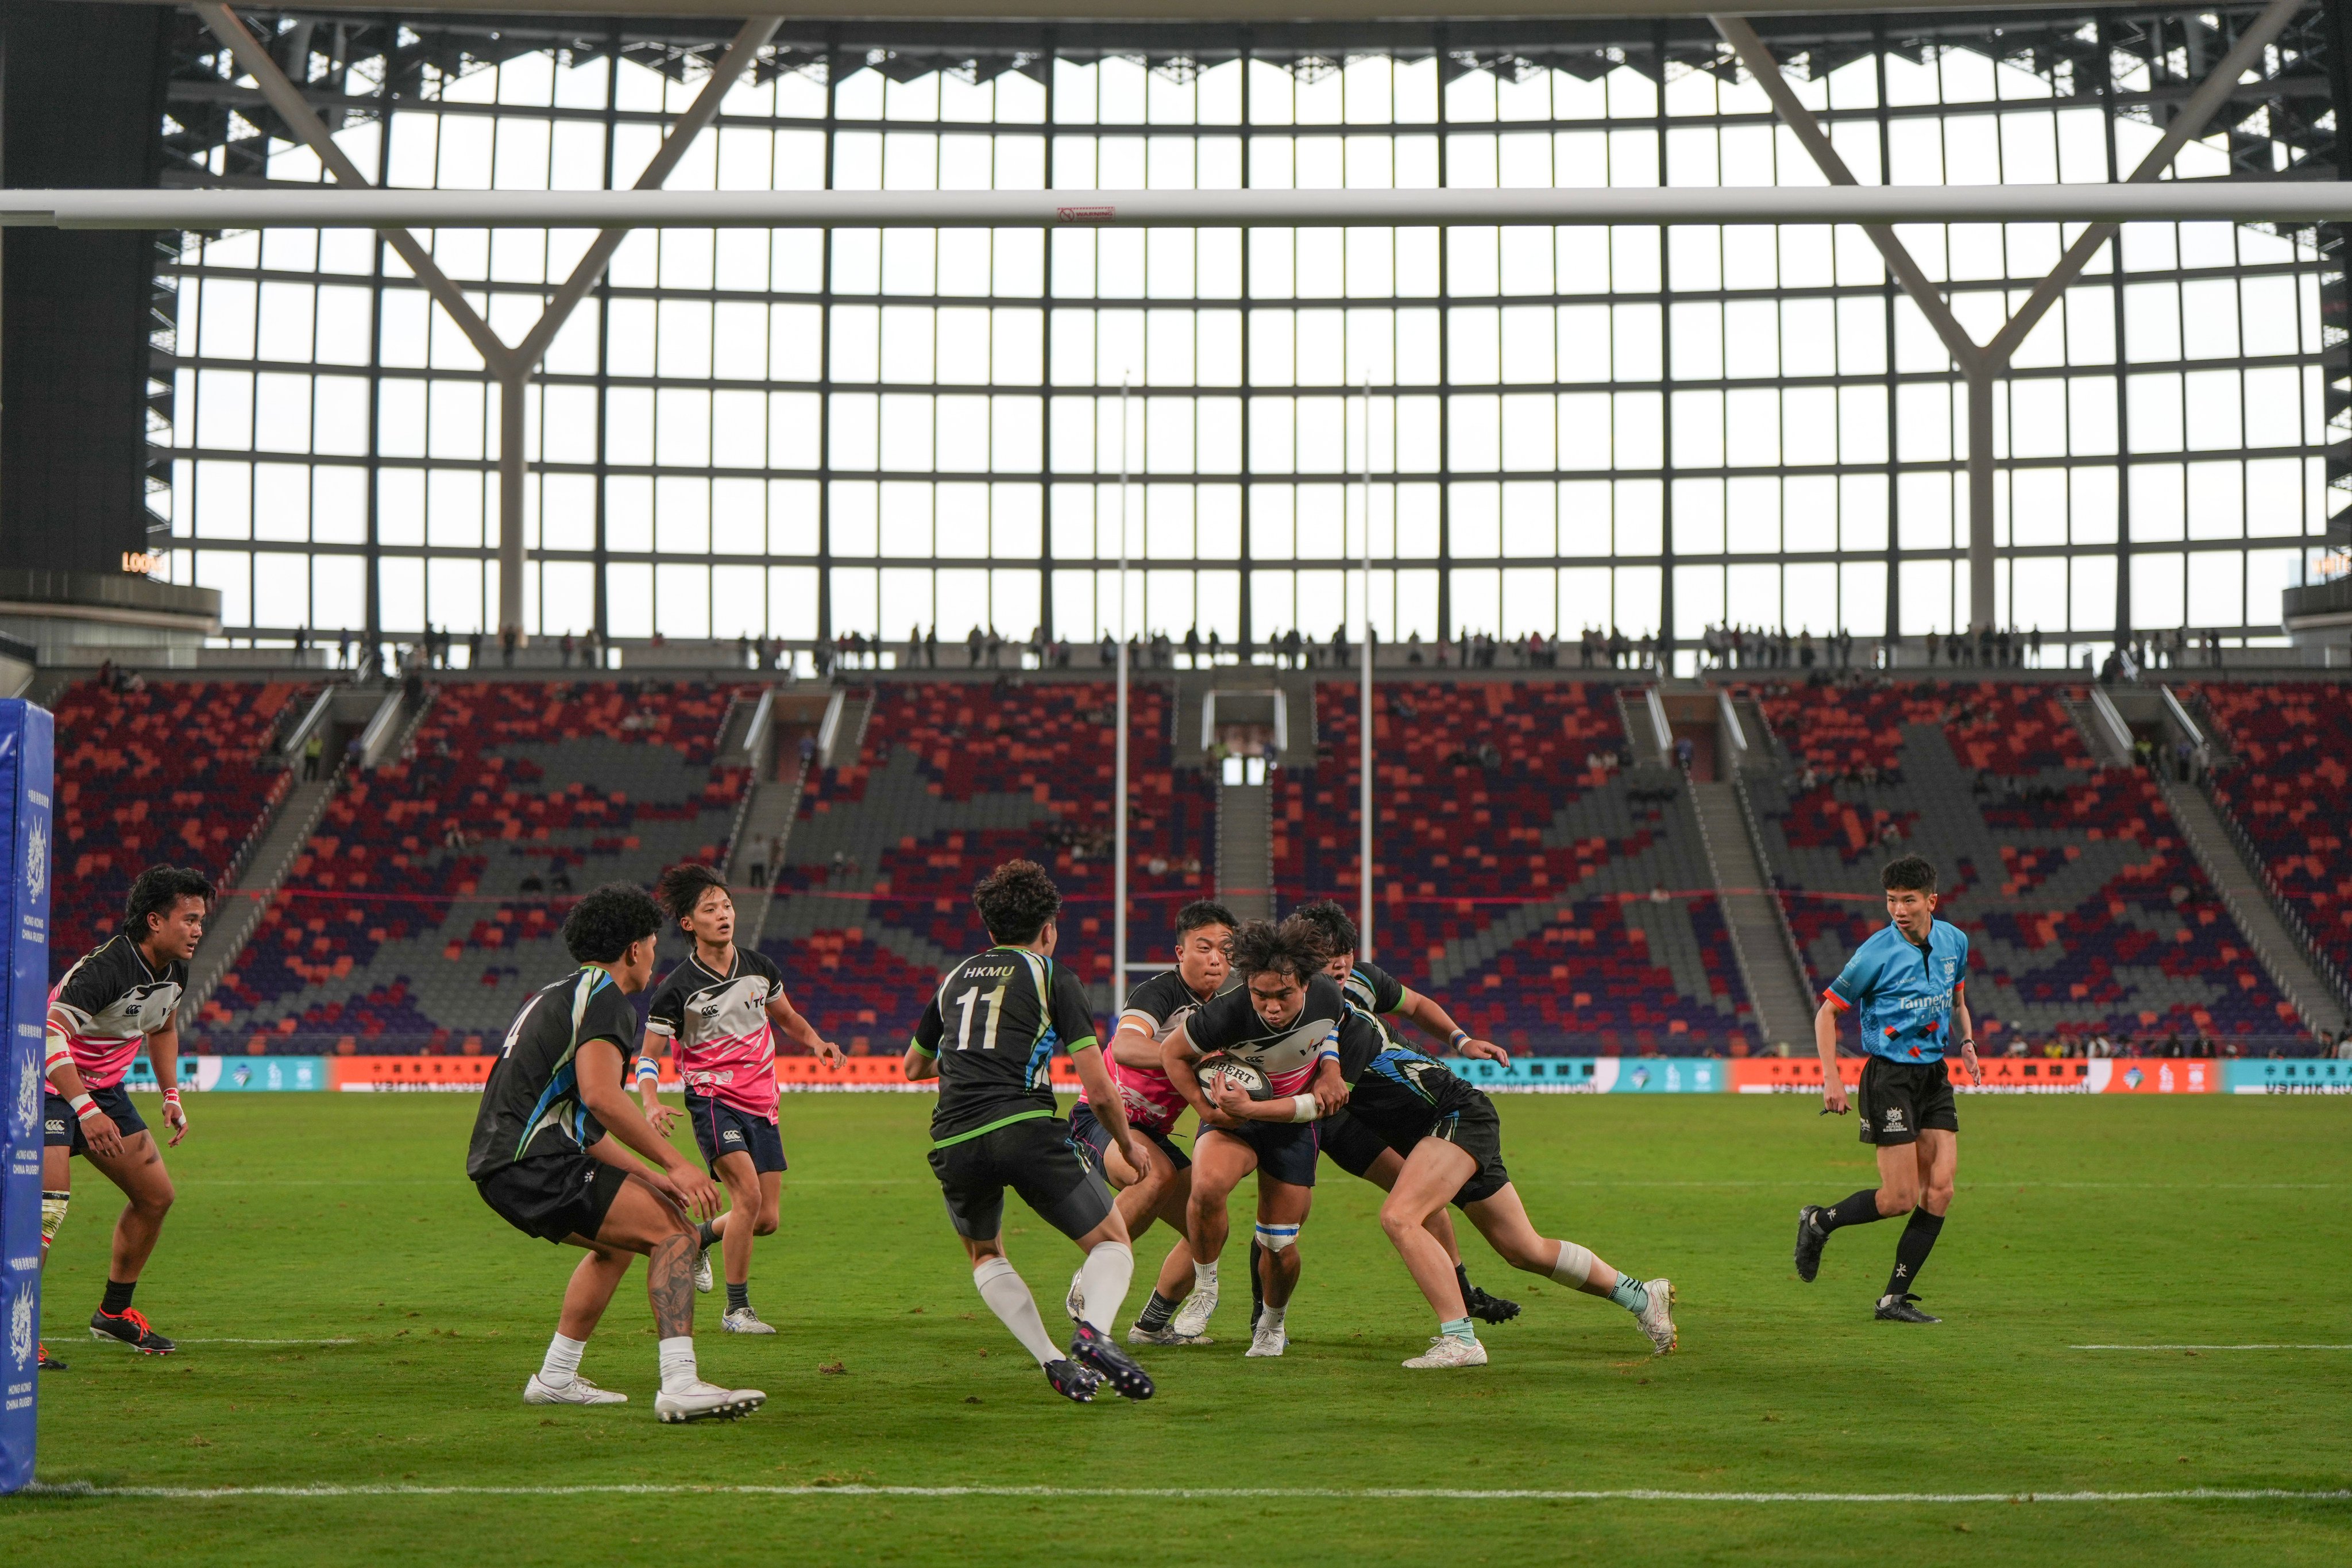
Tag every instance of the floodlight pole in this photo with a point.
(1119, 785)
(1364, 713)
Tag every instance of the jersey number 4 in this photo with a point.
(971, 1001)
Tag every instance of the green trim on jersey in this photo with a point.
(917, 1044)
(1088, 1042)
(982, 1132)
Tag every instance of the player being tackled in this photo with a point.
(719, 1011)
(1908, 988)
(541, 1158)
(988, 1037)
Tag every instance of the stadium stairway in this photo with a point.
(1759, 939)
(250, 892)
(1246, 849)
(2248, 904)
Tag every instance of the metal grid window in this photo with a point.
(800, 433)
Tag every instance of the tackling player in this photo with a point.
(541, 1158)
(1280, 1021)
(719, 1010)
(987, 1036)
(122, 995)
(1451, 1142)
(1356, 1150)
(1908, 988)
(1203, 933)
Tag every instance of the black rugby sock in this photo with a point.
(739, 1297)
(1861, 1208)
(1462, 1277)
(118, 1298)
(1257, 1283)
(706, 1237)
(1911, 1252)
(1156, 1314)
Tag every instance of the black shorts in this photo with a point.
(1348, 1143)
(1097, 1137)
(61, 1129)
(1899, 1100)
(1034, 1156)
(1475, 1129)
(720, 1129)
(553, 1196)
(1285, 1150)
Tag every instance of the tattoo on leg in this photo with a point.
(670, 1283)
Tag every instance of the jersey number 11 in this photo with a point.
(968, 1002)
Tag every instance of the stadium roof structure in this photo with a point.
(1164, 10)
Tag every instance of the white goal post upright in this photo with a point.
(1118, 782)
(1364, 713)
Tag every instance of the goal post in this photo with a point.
(25, 738)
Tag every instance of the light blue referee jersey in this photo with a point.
(1903, 993)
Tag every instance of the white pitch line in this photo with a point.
(266, 1341)
(2209, 1347)
(1429, 1494)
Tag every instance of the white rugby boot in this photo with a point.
(1075, 1303)
(1657, 1319)
(1138, 1334)
(579, 1391)
(702, 1276)
(701, 1401)
(744, 1321)
(1192, 1313)
(1269, 1339)
(1444, 1350)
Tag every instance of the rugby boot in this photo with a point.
(1488, 1308)
(130, 1327)
(1192, 1313)
(1073, 1382)
(1810, 1239)
(1164, 1335)
(579, 1391)
(49, 1363)
(1657, 1318)
(1098, 1350)
(744, 1321)
(1444, 1350)
(1899, 1309)
(701, 1401)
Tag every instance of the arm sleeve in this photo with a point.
(1074, 1020)
(929, 1028)
(1854, 983)
(667, 1016)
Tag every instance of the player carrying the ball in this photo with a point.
(1154, 1009)
(120, 998)
(1906, 987)
(987, 1036)
(719, 1011)
(1450, 1141)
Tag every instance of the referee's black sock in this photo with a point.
(1861, 1208)
(118, 1298)
(1911, 1252)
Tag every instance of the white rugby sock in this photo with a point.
(1103, 1281)
(1270, 1318)
(562, 1360)
(1205, 1275)
(1007, 1295)
(677, 1369)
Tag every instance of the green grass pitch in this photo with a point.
(2078, 1221)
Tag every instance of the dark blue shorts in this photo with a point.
(1097, 1137)
(61, 1129)
(1285, 1150)
(720, 1130)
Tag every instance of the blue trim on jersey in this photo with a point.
(1388, 1067)
(1902, 995)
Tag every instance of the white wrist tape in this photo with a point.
(83, 1105)
(1304, 1109)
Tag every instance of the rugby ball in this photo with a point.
(1244, 1076)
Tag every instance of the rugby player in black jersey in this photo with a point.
(120, 996)
(1353, 1147)
(1205, 930)
(1280, 1022)
(989, 1035)
(1452, 1142)
(541, 1158)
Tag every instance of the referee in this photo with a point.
(1906, 986)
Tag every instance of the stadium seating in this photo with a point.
(2085, 911)
(1551, 902)
(430, 899)
(953, 777)
(176, 770)
(2290, 791)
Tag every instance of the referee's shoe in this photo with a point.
(1899, 1309)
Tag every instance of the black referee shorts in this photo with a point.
(1898, 1101)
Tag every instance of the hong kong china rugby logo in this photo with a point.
(37, 860)
(29, 1099)
(20, 1327)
